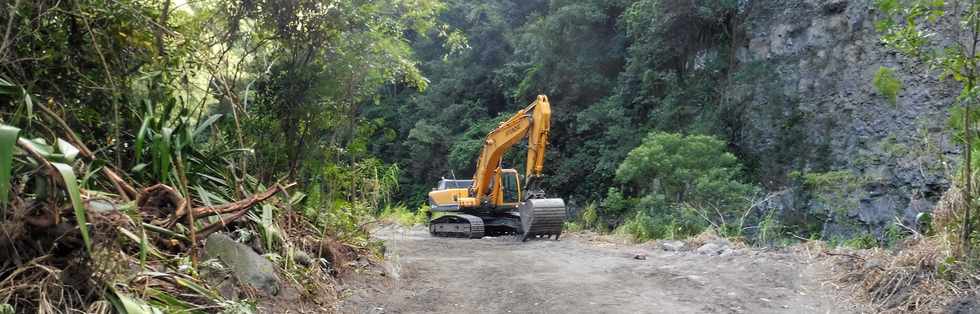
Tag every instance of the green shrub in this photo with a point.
(770, 229)
(662, 223)
(590, 218)
(862, 241)
(615, 204)
(893, 235)
(683, 185)
(887, 84)
(401, 215)
(572, 226)
(640, 227)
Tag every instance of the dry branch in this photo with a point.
(166, 207)
(206, 211)
(157, 199)
(221, 223)
(237, 209)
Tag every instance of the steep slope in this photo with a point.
(810, 106)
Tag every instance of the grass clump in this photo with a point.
(400, 214)
(640, 228)
(888, 84)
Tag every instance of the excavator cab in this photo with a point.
(510, 188)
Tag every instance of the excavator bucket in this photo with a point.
(542, 218)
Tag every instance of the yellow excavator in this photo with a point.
(496, 201)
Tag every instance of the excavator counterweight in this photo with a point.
(497, 201)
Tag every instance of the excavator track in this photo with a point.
(542, 218)
(457, 226)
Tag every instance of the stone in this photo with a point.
(217, 275)
(672, 245)
(641, 257)
(247, 266)
(969, 304)
(228, 290)
(302, 258)
(101, 206)
(712, 248)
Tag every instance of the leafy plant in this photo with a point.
(8, 140)
(590, 218)
(684, 176)
(71, 184)
(769, 229)
(887, 84)
(862, 241)
(615, 204)
(639, 227)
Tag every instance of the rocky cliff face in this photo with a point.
(805, 88)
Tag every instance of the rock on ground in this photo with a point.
(672, 245)
(966, 305)
(715, 247)
(247, 266)
(302, 258)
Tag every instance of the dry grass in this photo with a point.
(710, 235)
(948, 212)
(38, 287)
(917, 279)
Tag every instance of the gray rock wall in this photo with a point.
(809, 105)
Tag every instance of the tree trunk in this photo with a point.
(968, 179)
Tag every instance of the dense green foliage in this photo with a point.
(218, 99)
(886, 84)
(680, 186)
(614, 70)
(207, 94)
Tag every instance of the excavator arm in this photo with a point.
(533, 122)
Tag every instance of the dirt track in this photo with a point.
(576, 275)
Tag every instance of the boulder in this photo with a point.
(302, 258)
(217, 275)
(246, 265)
(714, 247)
(672, 245)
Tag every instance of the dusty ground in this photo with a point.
(578, 275)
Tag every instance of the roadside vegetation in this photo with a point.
(131, 131)
(399, 214)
